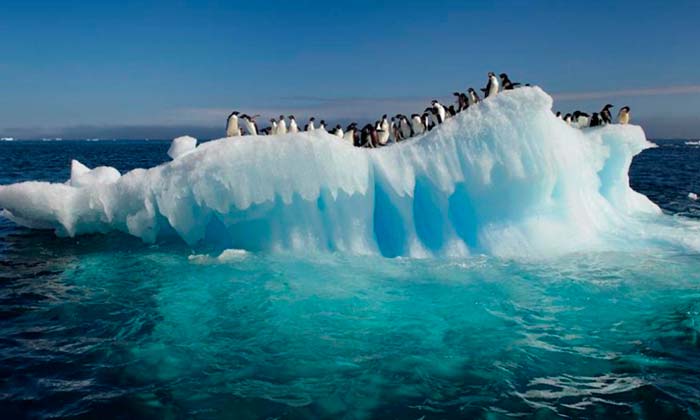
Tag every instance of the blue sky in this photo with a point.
(162, 68)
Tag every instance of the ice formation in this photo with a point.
(505, 178)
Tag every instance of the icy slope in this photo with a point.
(505, 178)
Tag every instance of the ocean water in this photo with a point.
(107, 326)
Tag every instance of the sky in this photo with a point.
(159, 69)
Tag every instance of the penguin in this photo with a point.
(623, 117)
(232, 129)
(567, 118)
(281, 125)
(349, 135)
(506, 83)
(405, 127)
(266, 131)
(473, 97)
(426, 119)
(395, 132)
(491, 88)
(383, 131)
(310, 126)
(322, 125)
(559, 115)
(368, 137)
(417, 124)
(581, 119)
(250, 125)
(595, 120)
(338, 131)
(439, 111)
(451, 111)
(605, 115)
(273, 126)
(461, 101)
(293, 128)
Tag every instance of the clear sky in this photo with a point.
(134, 69)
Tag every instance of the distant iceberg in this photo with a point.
(504, 178)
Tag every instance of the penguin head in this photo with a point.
(503, 76)
(608, 106)
(491, 74)
(291, 117)
(272, 120)
(384, 116)
(312, 119)
(323, 122)
(281, 117)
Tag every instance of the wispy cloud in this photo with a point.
(655, 91)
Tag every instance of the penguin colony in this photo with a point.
(401, 127)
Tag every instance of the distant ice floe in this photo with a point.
(692, 143)
(227, 256)
(505, 178)
(693, 196)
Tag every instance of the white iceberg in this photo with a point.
(504, 178)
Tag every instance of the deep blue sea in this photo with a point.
(107, 326)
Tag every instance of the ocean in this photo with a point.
(108, 326)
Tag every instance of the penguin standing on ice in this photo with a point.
(311, 126)
(595, 120)
(417, 124)
(439, 111)
(461, 101)
(568, 119)
(349, 135)
(506, 83)
(282, 125)
(473, 97)
(623, 117)
(273, 126)
(338, 131)
(491, 88)
(293, 127)
(581, 119)
(250, 125)
(404, 127)
(322, 125)
(605, 115)
(558, 115)
(383, 131)
(232, 129)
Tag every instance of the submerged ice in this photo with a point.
(505, 178)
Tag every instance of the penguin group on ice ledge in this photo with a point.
(401, 127)
(581, 119)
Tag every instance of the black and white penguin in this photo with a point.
(427, 120)
(338, 131)
(451, 111)
(349, 135)
(506, 83)
(417, 124)
(568, 118)
(273, 126)
(293, 127)
(368, 137)
(559, 115)
(232, 129)
(322, 125)
(405, 127)
(281, 125)
(595, 120)
(383, 131)
(461, 101)
(623, 117)
(250, 125)
(311, 125)
(491, 88)
(606, 115)
(473, 97)
(581, 119)
(439, 111)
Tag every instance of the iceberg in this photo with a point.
(504, 178)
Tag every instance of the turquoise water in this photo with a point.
(105, 326)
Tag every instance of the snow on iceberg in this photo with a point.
(504, 178)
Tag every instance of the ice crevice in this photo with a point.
(505, 178)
